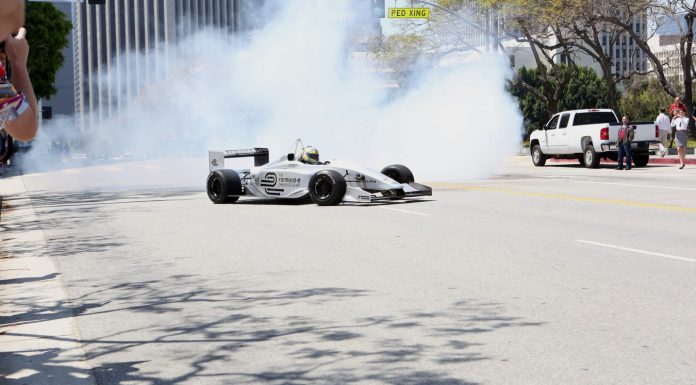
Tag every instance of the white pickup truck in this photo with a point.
(588, 136)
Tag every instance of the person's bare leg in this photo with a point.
(681, 150)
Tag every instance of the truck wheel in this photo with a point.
(538, 157)
(222, 184)
(641, 160)
(399, 173)
(327, 188)
(590, 155)
(581, 159)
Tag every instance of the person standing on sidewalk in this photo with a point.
(681, 125)
(623, 142)
(662, 122)
(23, 126)
(673, 109)
(677, 105)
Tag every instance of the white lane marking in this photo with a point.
(638, 185)
(637, 251)
(404, 211)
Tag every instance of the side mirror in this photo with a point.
(291, 157)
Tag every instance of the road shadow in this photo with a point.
(65, 212)
(201, 329)
(151, 327)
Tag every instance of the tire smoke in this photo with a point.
(296, 78)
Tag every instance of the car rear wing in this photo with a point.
(216, 159)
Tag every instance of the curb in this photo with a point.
(651, 161)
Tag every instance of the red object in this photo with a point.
(622, 133)
(604, 133)
(657, 131)
(675, 106)
(2, 71)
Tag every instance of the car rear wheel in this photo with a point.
(224, 186)
(538, 157)
(327, 188)
(399, 173)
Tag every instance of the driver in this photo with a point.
(310, 155)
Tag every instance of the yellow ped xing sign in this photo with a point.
(409, 13)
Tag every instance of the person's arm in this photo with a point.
(24, 126)
(11, 16)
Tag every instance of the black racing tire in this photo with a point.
(538, 157)
(224, 186)
(591, 157)
(6, 147)
(327, 188)
(641, 160)
(399, 173)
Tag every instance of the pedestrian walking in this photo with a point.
(681, 126)
(663, 124)
(623, 142)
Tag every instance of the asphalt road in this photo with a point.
(554, 275)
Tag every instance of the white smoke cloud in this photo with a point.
(295, 78)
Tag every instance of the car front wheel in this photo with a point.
(399, 173)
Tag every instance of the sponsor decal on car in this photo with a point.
(289, 182)
(269, 180)
(274, 191)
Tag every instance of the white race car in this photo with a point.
(328, 183)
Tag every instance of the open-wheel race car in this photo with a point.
(299, 174)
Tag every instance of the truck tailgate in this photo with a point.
(644, 132)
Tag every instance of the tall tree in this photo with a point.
(644, 97)
(585, 89)
(47, 31)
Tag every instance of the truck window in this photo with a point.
(564, 121)
(582, 118)
(551, 125)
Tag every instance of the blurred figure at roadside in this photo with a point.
(681, 125)
(662, 122)
(677, 105)
(623, 143)
(673, 108)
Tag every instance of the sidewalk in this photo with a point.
(39, 341)
(654, 160)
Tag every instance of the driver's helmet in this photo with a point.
(310, 155)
